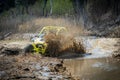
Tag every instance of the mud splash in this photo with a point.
(61, 44)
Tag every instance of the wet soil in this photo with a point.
(15, 65)
(32, 67)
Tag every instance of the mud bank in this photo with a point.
(31, 67)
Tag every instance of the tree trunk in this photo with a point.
(51, 4)
(45, 3)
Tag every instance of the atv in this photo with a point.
(40, 43)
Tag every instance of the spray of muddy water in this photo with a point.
(61, 44)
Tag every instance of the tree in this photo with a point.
(44, 6)
(79, 8)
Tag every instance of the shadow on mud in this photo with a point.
(73, 55)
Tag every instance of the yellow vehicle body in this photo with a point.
(40, 46)
(41, 49)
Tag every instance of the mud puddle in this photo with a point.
(93, 69)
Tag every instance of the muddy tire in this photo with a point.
(28, 49)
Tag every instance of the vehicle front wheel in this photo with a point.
(28, 49)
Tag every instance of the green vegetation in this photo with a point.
(65, 9)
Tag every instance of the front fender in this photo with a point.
(39, 48)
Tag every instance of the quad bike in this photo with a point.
(40, 42)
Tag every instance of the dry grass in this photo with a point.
(26, 24)
(35, 25)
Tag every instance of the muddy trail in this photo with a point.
(31, 67)
(15, 65)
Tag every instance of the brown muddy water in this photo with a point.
(93, 69)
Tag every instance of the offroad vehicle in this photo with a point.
(40, 42)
